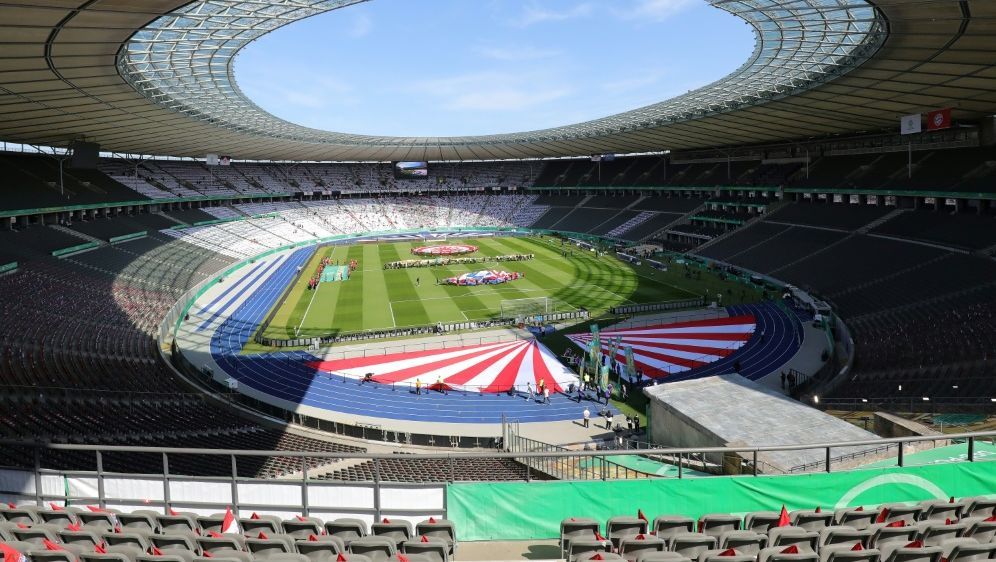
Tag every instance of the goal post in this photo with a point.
(525, 309)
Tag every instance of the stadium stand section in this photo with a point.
(866, 260)
(917, 311)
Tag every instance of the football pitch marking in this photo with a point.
(638, 274)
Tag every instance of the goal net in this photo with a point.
(527, 309)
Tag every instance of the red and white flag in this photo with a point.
(939, 119)
(229, 524)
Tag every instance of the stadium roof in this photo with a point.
(156, 77)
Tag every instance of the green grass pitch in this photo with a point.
(374, 298)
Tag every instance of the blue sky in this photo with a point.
(465, 67)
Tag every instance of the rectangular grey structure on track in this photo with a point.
(732, 411)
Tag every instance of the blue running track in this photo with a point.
(286, 375)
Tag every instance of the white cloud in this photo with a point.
(491, 91)
(534, 14)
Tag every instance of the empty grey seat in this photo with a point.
(320, 551)
(287, 557)
(137, 539)
(350, 557)
(631, 547)
(174, 542)
(86, 538)
(5, 529)
(979, 507)
(846, 553)
(725, 555)
(321, 539)
(779, 554)
(900, 512)
(100, 520)
(301, 529)
(599, 556)
(35, 535)
(53, 556)
(883, 534)
(129, 521)
(442, 529)
(434, 549)
(98, 557)
(252, 527)
(580, 547)
(967, 550)
(811, 520)
(213, 545)
(620, 527)
(231, 556)
(761, 521)
(854, 517)
(347, 529)
(665, 556)
(378, 549)
(847, 536)
(982, 531)
(669, 525)
(210, 523)
(934, 533)
(808, 541)
(60, 518)
(898, 552)
(174, 555)
(398, 530)
(746, 542)
(715, 524)
(128, 550)
(939, 510)
(265, 548)
(690, 545)
(21, 515)
(577, 528)
(180, 522)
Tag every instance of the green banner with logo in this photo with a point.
(534, 510)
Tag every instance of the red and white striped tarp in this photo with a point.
(492, 367)
(666, 349)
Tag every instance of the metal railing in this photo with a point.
(658, 306)
(516, 452)
(567, 465)
(550, 460)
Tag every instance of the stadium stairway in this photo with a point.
(288, 377)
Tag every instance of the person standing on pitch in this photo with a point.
(546, 395)
(418, 386)
(587, 416)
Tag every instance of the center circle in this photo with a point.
(444, 250)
